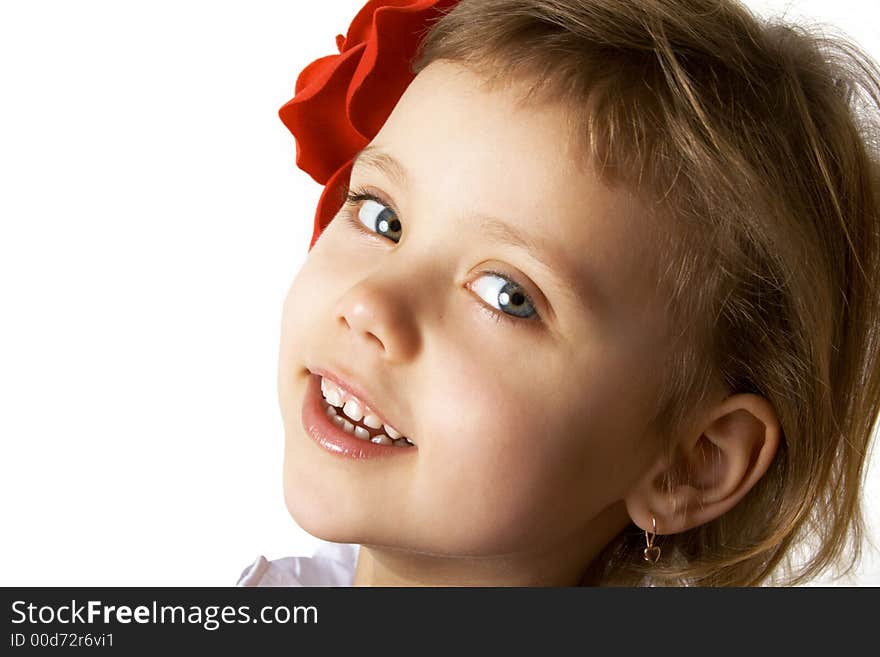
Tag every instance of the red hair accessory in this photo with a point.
(341, 101)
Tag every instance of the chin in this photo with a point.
(311, 503)
(314, 516)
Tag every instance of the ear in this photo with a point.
(713, 466)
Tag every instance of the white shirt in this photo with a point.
(333, 564)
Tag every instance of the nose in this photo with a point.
(377, 314)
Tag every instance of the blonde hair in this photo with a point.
(759, 140)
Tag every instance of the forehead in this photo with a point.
(448, 110)
(486, 153)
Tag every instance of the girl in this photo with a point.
(592, 297)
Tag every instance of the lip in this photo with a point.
(321, 429)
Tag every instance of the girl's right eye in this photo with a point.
(373, 214)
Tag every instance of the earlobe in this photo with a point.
(712, 469)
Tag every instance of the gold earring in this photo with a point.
(652, 552)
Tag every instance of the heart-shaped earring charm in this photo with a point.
(651, 553)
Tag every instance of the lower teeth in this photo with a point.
(345, 424)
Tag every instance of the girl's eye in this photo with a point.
(370, 213)
(506, 295)
(374, 214)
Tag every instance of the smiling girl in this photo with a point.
(592, 296)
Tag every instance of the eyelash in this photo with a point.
(356, 195)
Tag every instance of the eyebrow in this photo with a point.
(500, 231)
(550, 259)
(371, 156)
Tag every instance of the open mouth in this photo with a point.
(355, 418)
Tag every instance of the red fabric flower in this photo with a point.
(341, 101)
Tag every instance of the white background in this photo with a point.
(151, 220)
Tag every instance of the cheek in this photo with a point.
(306, 301)
(305, 304)
(495, 473)
(521, 461)
(309, 301)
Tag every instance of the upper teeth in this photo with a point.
(354, 408)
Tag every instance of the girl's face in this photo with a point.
(525, 375)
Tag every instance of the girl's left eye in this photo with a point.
(368, 212)
(496, 288)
